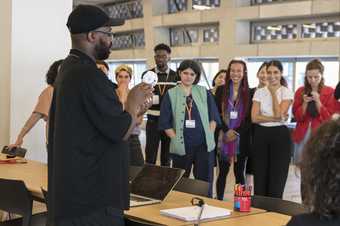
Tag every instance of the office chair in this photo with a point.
(15, 198)
(193, 186)
(45, 195)
(278, 205)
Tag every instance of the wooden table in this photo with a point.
(33, 173)
(177, 199)
(261, 219)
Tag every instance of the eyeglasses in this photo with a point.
(109, 34)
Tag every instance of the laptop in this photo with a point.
(153, 184)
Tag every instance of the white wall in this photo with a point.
(5, 55)
(39, 37)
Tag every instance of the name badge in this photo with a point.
(233, 115)
(155, 99)
(190, 124)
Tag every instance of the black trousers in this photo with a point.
(136, 155)
(271, 157)
(224, 166)
(104, 217)
(201, 159)
(153, 137)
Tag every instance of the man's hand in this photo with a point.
(138, 96)
(145, 106)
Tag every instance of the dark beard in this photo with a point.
(102, 51)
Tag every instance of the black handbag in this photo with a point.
(15, 151)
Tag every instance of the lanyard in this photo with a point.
(162, 87)
(231, 103)
(188, 106)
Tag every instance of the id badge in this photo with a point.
(190, 124)
(233, 115)
(155, 99)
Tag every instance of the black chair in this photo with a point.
(45, 196)
(193, 186)
(135, 222)
(16, 199)
(278, 205)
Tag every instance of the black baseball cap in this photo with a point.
(85, 18)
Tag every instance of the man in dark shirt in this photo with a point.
(167, 79)
(87, 148)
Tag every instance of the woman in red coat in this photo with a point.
(313, 105)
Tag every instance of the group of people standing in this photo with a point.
(232, 123)
(93, 126)
(229, 124)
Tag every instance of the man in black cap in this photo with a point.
(88, 152)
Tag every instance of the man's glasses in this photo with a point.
(109, 34)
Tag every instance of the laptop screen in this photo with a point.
(155, 181)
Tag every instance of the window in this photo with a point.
(126, 10)
(330, 74)
(205, 4)
(294, 70)
(275, 32)
(210, 67)
(175, 6)
(183, 36)
(254, 64)
(130, 40)
(211, 34)
(328, 27)
(180, 36)
(138, 67)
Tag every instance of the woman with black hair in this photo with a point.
(320, 170)
(233, 104)
(218, 80)
(272, 142)
(262, 78)
(42, 107)
(189, 117)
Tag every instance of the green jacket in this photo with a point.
(178, 103)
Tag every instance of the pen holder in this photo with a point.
(242, 203)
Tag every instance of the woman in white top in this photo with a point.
(272, 141)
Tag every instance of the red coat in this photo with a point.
(303, 120)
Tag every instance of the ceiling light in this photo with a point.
(201, 7)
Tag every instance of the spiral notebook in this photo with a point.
(191, 213)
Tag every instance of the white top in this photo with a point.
(264, 97)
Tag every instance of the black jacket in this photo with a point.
(87, 158)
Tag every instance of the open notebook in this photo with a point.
(191, 213)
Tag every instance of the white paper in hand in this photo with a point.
(150, 78)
